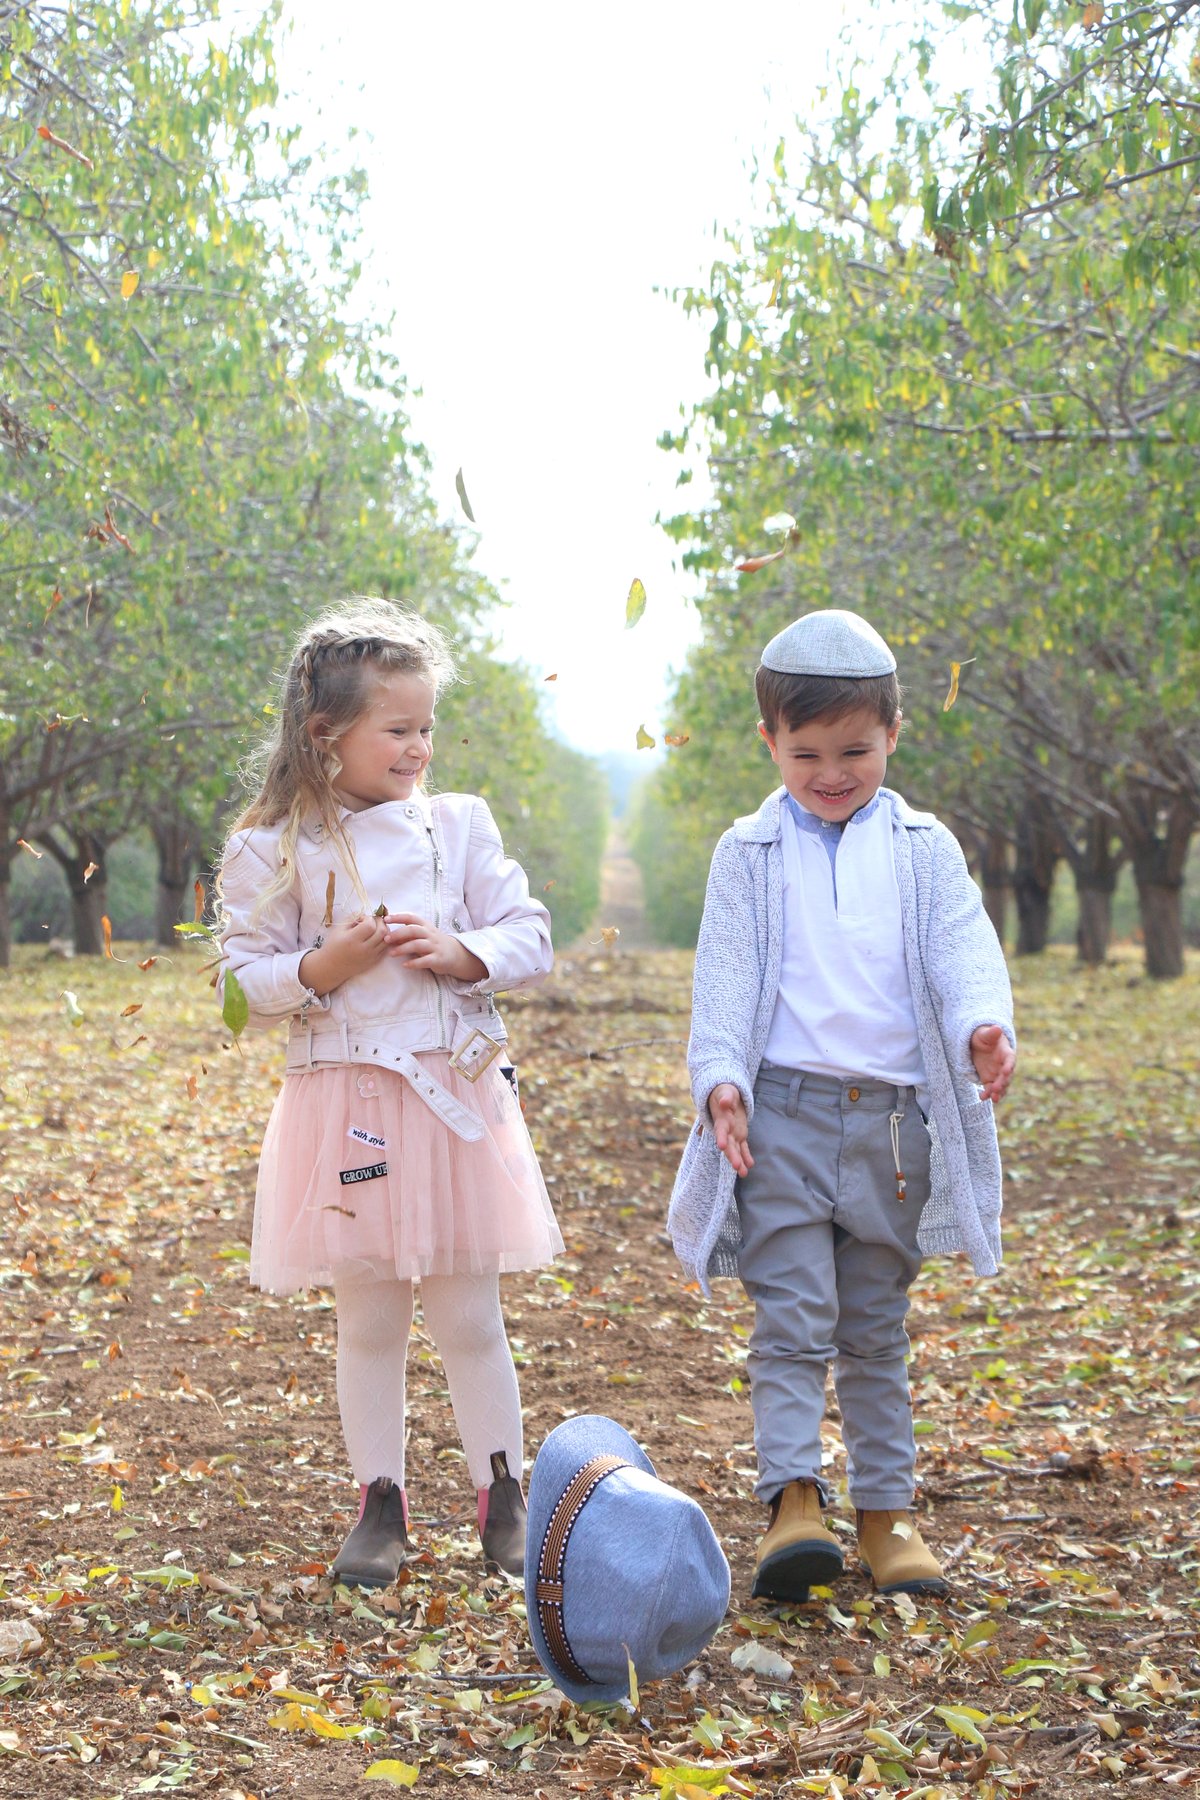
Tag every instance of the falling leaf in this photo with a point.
(1093, 14)
(754, 563)
(90, 871)
(610, 933)
(547, 885)
(21, 843)
(235, 1008)
(956, 669)
(74, 1010)
(149, 963)
(193, 1087)
(635, 606)
(464, 740)
(676, 739)
(56, 599)
(44, 131)
(129, 284)
(779, 521)
(133, 1007)
(117, 1502)
(400, 1774)
(644, 740)
(106, 928)
(461, 488)
(330, 889)
(198, 893)
(553, 677)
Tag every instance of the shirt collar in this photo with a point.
(809, 821)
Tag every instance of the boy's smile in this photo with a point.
(834, 767)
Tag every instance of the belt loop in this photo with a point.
(793, 1099)
(308, 1038)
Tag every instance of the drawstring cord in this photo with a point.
(894, 1122)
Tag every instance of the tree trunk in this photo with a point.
(5, 911)
(89, 892)
(1161, 907)
(1096, 865)
(1158, 836)
(175, 841)
(1033, 877)
(995, 879)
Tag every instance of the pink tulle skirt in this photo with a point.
(425, 1203)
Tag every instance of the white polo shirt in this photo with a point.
(844, 1006)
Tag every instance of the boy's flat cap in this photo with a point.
(829, 643)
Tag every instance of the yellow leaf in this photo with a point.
(129, 284)
(644, 740)
(118, 1499)
(153, 258)
(320, 1726)
(952, 696)
(292, 1718)
(962, 1725)
(633, 1686)
(635, 605)
(610, 933)
(400, 1774)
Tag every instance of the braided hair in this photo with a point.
(324, 690)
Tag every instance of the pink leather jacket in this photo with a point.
(440, 858)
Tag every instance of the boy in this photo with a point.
(851, 1000)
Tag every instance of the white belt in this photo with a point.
(306, 1051)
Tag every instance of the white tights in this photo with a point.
(462, 1315)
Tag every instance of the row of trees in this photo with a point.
(200, 444)
(956, 359)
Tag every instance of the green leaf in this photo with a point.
(461, 489)
(635, 606)
(235, 1009)
(961, 1724)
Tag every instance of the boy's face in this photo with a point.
(833, 767)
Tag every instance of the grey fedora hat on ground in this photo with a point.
(619, 1567)
(829, 643)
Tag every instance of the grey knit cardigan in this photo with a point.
(959, 981)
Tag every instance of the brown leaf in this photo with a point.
(553, 677)
(753, 563)
(1093, 14)
(44, 131)
(21, 843)
(193, 1087)
(106, 927)
(149, 963)
(198, 892)
(134, 1007)
(676, 739)
(90, 871)
(330, 887)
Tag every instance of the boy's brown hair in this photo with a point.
(796, 700)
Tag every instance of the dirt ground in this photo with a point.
(173, 1484)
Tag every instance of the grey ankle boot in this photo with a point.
(503, 1527)
(377, 1549)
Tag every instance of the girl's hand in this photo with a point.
(994, 1059)
(731, 1126)
(419, 945)
(349, 948)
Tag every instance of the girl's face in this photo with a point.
(833, 767)
(385, 751)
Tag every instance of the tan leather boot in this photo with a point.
(796, 1550)
(896, 1557)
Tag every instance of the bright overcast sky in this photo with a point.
(536, 172)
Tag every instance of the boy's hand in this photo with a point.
(350, 947)
(994, 1059)
(419, 945)
(731, 1126)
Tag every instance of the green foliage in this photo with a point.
(987, 441)
(200, 448)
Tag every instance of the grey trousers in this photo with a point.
(828, 1254)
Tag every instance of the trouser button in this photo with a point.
(855, 1094)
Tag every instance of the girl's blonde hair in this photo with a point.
(327, 679)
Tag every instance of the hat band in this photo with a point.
(549, 1590)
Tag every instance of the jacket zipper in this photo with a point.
(437, 920)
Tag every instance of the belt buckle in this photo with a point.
(477, 1054)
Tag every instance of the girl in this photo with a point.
(380, 923)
